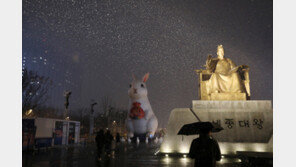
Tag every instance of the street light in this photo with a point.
(67, 96)
(28, 112)
(91, 118)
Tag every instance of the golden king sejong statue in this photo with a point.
(223, 80)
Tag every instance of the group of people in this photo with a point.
(104, 141)
(204, 149)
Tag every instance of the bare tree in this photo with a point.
(106, 104)
(34, 90)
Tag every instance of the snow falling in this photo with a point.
(93, 47)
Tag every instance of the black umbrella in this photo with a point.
(197, 127)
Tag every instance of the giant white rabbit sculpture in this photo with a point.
(140, 119)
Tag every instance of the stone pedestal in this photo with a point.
(248, 125)
(228, 96)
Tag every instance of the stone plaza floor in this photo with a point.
(125, 155)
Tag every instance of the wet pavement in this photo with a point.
(124, 155)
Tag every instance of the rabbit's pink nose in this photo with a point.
(135, 90)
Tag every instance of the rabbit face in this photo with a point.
(138, 88)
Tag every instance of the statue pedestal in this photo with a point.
(248, 125)
(228, 96)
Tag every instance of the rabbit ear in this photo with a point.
(134, 77)
(145, 77)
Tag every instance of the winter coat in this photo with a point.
(205, 150)
(100, 140)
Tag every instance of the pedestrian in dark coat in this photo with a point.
(205, 150)
(108, 142)
(100, 141)
(117, 137)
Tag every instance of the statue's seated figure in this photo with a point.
(223, 80)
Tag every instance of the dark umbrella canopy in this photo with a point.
(195, 128)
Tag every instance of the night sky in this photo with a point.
(93, 47)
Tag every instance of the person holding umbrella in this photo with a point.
(204, 149)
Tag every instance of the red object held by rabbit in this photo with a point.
(136, 111)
